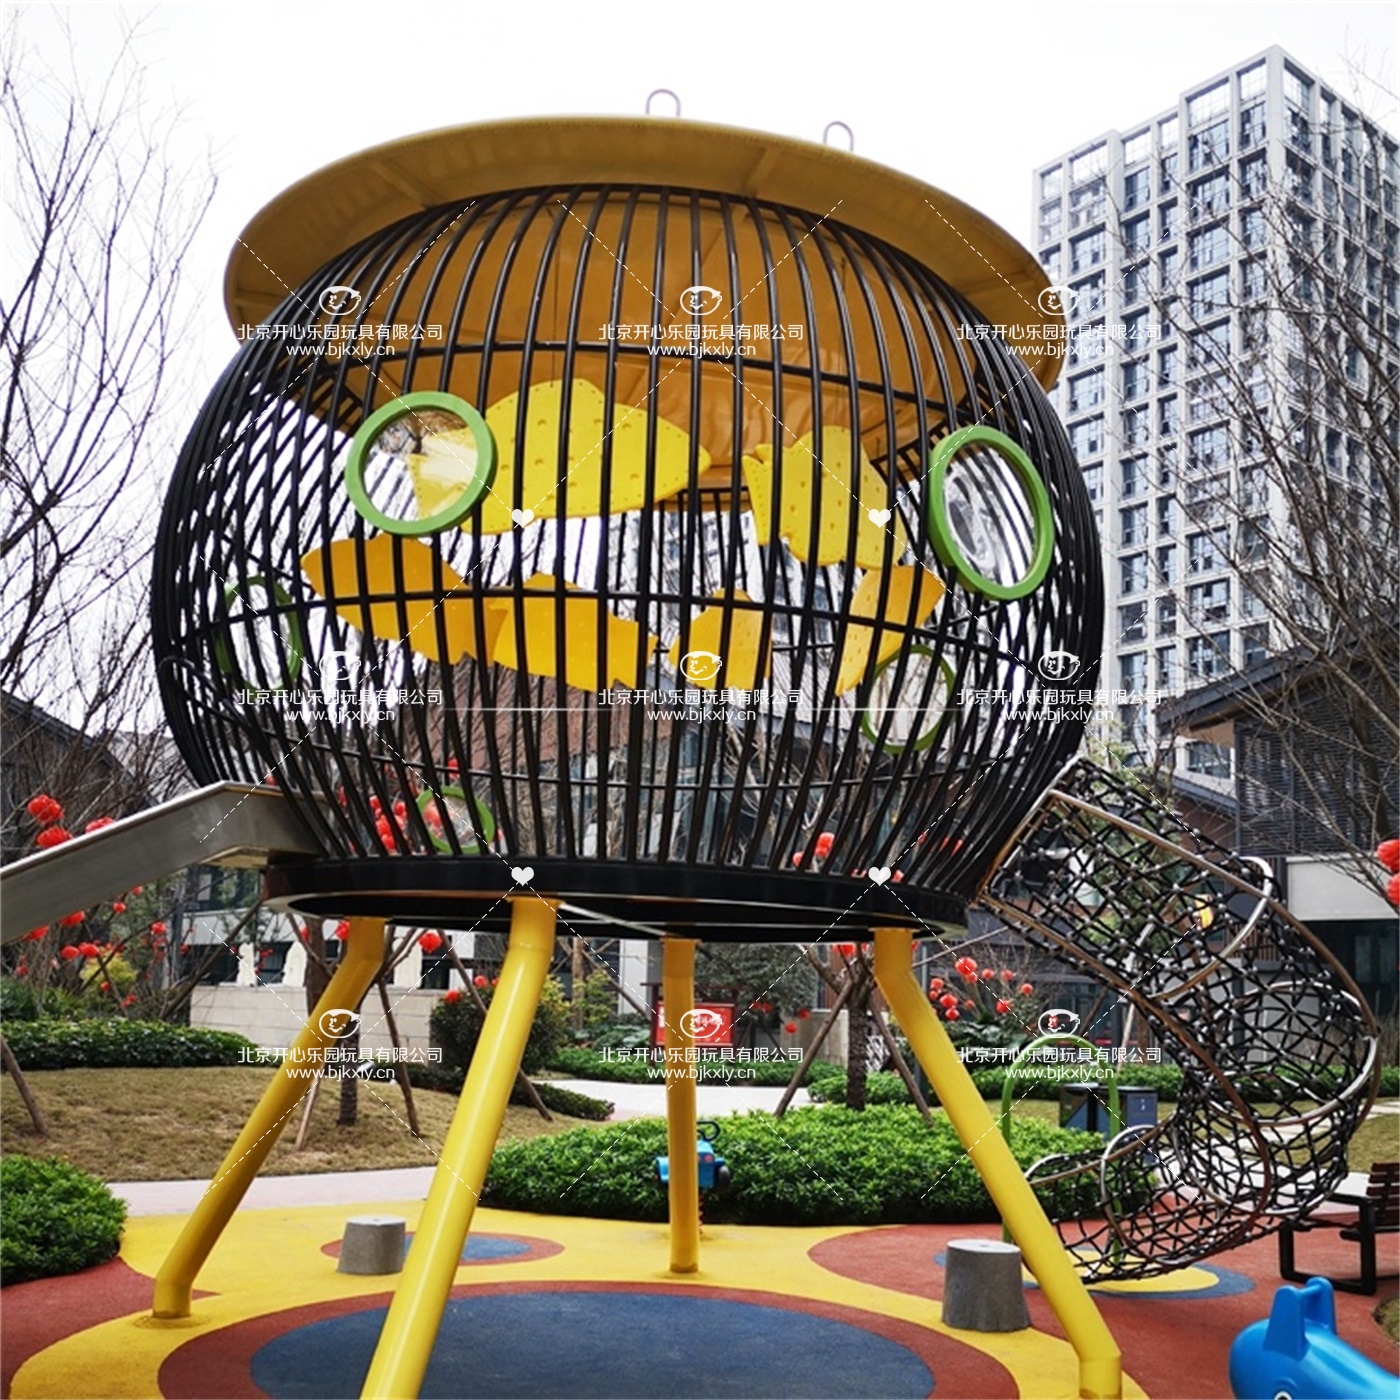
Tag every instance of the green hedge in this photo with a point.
(817, 1166)
(54, 1219)
(579, 1063)
(121, 1044)
(456, 1027)
(444, 1079)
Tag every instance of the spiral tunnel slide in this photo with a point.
(1276, 1045)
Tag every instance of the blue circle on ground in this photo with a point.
(604, 1345)
(480, 1248)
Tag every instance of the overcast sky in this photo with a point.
(967, 97)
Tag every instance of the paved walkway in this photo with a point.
(712, 1100)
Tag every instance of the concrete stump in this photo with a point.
(372, 1244)
(982, 1289)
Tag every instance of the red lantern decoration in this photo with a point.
(1392, 890)
(1003, 1007)
(52, 836)
(342, 930)
(1007, 975)
(452, 995)
(797, 858)
(129, 999)
(479, 980)
(937, 984)
(1388, 853)
(105, 987)
(430, 942)
(88, 950)
(72, 920)
(988, 975)
(68, 952)
(44, 809)
(99, 823)
(159, 927)
(21, 969)
(970, 1005)
(966, 968)
(136, 889)
(35, 934)
(948, 1000)
(824, 844)
(847, 950)
(951, 1014)
(184, 947)
(304, 934)
(791, 1028)
(118, 907)
(803, 1013)
(1026, 989)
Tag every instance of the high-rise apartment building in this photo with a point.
(1168, 236)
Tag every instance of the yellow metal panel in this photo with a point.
(913, 594)
(745, 660)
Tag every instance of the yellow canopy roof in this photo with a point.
(330, 210)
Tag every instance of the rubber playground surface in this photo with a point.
(555, 1306)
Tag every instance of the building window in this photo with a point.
(1166, 465)
(1050, 261)
(1253, 126)
(1168, 419)
(1209, 656)
(1052, 182)
(1166, 667)
(1137, 236)
(1166, 367)
(1254, 177)
(1170, 263)
(1136, 332)
(1088, 297)
(1167, 222)
(1089, 164)
(1209, 146)
(1253, 230)
(1166, 617)
(1209, 246)
(1086, 438)
(1093, 481)
(1087, 347)
(1132, 522)
(1296, 88)
(1205, 105)
(1169, 166)
(1210, 397)
(1252, 80)
(1137, 188)
(1168, 133)
(1210, 196)
(1207, 760)
(1087, 204)
(1133, 572)
(1086, 391)
(1298, 129)
(1132, 623)
(1205, 551)
(1132, 670)
(1051, 221)
(1255, 643)
(1207, 449)
(1166, 564)
(1253, 275)
(1207, 295)
(1254, 541)
(1299, 179)
(1086, 252)
(1137, 148)
(1209, 602)
(1133, 471)
(1168, 517)
(1208, 348)
(1136, 427)
(1134, 380)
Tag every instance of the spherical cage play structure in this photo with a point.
(634, 532)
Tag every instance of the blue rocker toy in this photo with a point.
(1296, 1354)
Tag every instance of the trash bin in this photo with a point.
(1139, 1106)
(1085, 1107)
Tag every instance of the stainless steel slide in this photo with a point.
(224, 824)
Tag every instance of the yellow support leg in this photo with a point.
(364, 953)
(683, 1188)
(411, 1328)
(1100, 1363)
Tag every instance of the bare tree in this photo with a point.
(99, 224)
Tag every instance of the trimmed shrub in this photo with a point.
(456, 1027)
(115, 1043)
(1390, 1080)
(54, 1219)
(817, 1166)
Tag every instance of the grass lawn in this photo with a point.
(177, 1124)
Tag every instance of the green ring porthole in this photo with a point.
(483, 812)
(924, 741)
(224, 658)
(483, 473)
(941, 532)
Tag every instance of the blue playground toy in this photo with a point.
(1296, 1352)
(713, 1169)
